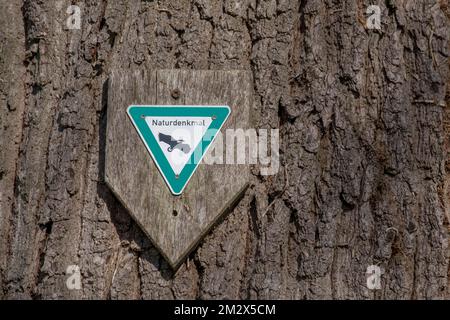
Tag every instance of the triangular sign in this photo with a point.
(177, 137)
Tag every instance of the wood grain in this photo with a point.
(175, 224)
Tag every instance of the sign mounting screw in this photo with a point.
(176, 94)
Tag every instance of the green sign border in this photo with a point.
(138, 113)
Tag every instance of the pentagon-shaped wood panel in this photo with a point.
(175, 224)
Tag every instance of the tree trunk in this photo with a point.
(364, 132)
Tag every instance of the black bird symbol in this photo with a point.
(173, 143)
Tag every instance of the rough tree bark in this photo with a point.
(363, 122)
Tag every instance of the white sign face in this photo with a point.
(178, 137)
